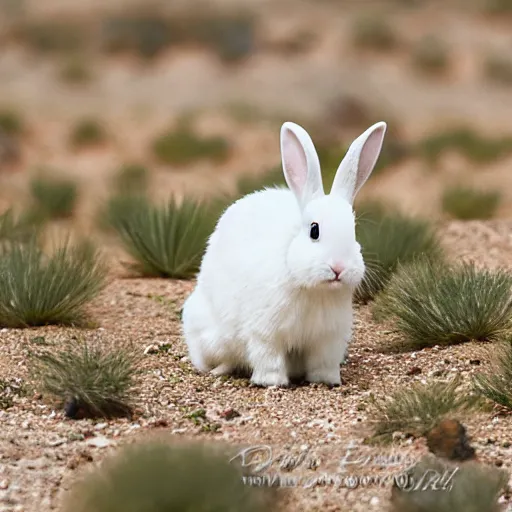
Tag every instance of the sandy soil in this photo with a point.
(42, 452)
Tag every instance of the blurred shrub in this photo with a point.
(466, 203)
(54, 198)
(497, 6)
(13, 229)
(155, 476)
(132, 179)
(373, 31)
(475, 147)
(436, 303)
(165, 241)
(182, 147)
(93, 381)
(88, 132)
(36, 289)
(436, 485)
(230, 35)
(387, 240)
(10, 122)
(431, 55)
(496, 383)
(54, 36)
(498, 68)
(75, 70)
(145, 34)
(249, 183)
(419, 408)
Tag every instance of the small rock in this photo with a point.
(100, 426)
(98, 442)
(4, 484)
(498, 463)
(229, 414)
(506, 444)
(415, 370)
(57, 442)
(448, 439)
(374, 501)
(151, 349)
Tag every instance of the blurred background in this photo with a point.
(188, 97)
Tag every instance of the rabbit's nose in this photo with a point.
(337, 268)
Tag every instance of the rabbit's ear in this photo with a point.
(359, 162)
(301, 165)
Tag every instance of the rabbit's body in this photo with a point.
(235, 316)
(274, 292)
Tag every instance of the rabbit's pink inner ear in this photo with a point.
(295, 162)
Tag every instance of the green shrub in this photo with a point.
(388, 240)
(466, 203)
(55, 198)
(182, 147)
(374, 32)
(36, 289)
(435, 485)
(132, 178)
(165, 241)
(436, 303)
(10, 122)
(88, 132)
(496, 385)
(89, 380)
(498, 68)
(430, 55)
(419, 408)
(145, 34)
(155, 476)
(473, 146)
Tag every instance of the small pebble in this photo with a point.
(4, 484)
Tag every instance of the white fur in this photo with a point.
(264, 301)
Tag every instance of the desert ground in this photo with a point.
(302, 67)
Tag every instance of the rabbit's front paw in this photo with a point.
(329, 376)
(269, 378)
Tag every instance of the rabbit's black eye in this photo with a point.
(314, 232)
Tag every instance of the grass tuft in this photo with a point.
(374, 32)
(54, 198)
(89, 381)
(88, 132)
(435, 485)
(183, 147)
(387, 240)
(496, 385)
(156, 476)
(165, 241)
(466, 203)
(419, 408)
(430, 55)
(436, 303)
(36, 289)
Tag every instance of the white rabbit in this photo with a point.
(274, 291)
